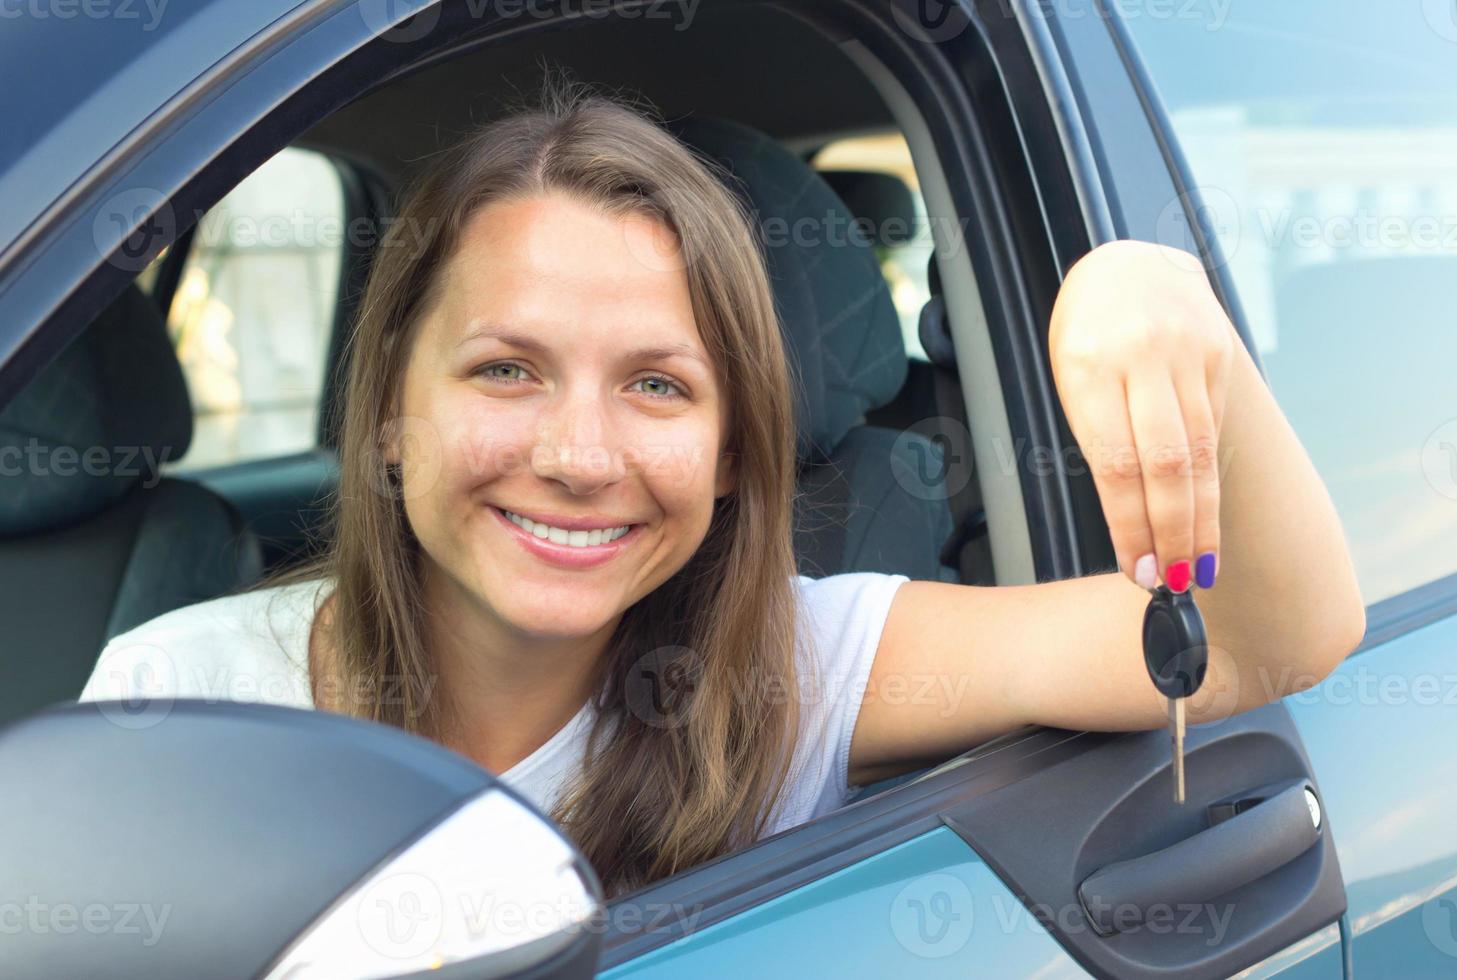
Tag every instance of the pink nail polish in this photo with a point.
(1146, 571)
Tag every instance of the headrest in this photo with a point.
(834, 307)
(97, 421)
(882, 200)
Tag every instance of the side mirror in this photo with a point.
(251, 840)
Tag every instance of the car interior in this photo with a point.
(897, 378)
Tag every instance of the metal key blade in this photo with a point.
(1176, 732)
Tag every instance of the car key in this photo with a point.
(1176, 652)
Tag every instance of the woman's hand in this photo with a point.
(1141, 355)
(1144, 360)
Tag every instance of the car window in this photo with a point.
(1321, 136)
(253, 311)
(904, 264)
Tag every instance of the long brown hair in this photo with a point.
(678, 781)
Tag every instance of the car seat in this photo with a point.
(93, 541)
(861, 507)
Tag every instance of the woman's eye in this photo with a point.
(663, 387)
(663, 383)
(489, 368)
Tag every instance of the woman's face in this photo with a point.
(560, 379)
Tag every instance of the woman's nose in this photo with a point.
(574, 445)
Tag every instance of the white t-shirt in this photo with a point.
(255, 647)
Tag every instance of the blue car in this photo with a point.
(190, 196)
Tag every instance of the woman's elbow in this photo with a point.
(1348, 638)
(1308, 656)
(1332, 638)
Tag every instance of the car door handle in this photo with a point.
(1233, 852)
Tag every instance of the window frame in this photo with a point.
(366, 199)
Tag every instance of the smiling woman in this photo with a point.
(563, 539)
(565, 507)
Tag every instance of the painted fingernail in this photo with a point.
(1204, 570)
(1178, 575)
(1146, 571)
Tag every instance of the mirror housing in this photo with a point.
(193, 838)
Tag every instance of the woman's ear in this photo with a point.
(728, 475)
(389, 440)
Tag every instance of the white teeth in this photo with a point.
(574, 539)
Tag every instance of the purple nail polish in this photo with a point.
(1204, 570)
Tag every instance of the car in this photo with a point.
(191, 198)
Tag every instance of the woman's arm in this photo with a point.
(1145, 362)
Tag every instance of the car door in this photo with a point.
(977, 866)
(1318, 138)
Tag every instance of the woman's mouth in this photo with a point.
(568, 549)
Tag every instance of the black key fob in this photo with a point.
(1175, 646)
